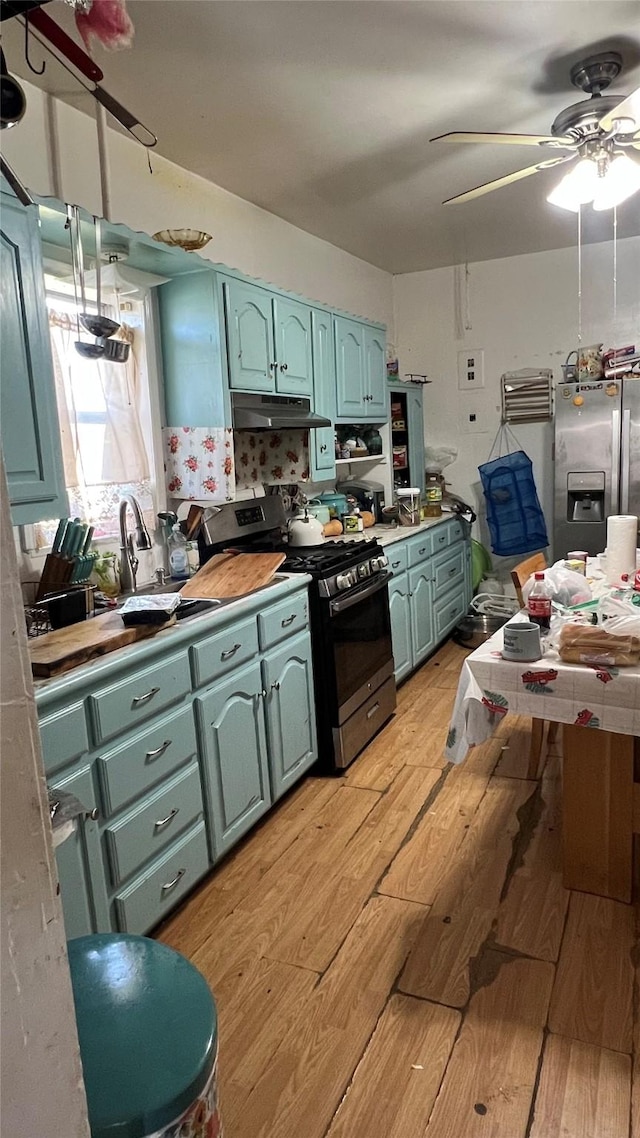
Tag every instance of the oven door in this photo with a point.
(359, 629)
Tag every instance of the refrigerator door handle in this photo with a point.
(615, 462)
(625, 460)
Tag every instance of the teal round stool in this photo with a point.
(148, 1035)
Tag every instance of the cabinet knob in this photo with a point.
(93, 814)
(275, 685)
(323, 448)
(273, 366)
(284, 367)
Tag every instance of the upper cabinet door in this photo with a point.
(350, 370)
(28, 413)
(321, 439)
(252, 359)
(415, 429)
(376, 375)
(294, 371)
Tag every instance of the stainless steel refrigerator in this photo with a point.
(597, 460)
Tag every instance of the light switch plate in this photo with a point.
(471, 369)
(474, 416)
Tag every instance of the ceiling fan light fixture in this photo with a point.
(577, 187)
(620, 182)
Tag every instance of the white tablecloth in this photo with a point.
(607, 698)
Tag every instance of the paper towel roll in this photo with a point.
(622, 537)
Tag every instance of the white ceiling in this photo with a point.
(321, 112)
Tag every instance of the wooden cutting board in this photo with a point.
(66, 648)
(233, 574)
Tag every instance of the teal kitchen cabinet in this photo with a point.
(407, 430)
(361, 387)
(375, 375)
(28, 415)
(422, 630)
(194, 354)
(350, 370)
(235, 766)
(291, 725)
(400, 612)
(79, 859)
(322, 453)
(269, 341)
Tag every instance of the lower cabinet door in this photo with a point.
(422, 631)
(399, 609)
(234, 750)
(83, 889)
(291, 721)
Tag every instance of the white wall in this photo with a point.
(523, 312)
(245, 237)
(42, 1088)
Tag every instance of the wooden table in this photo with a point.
(599, 710)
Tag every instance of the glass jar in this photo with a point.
(433, 494)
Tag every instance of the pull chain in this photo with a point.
(615, 280)
(579, 274)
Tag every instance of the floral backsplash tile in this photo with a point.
(277, 458)
(198, 463)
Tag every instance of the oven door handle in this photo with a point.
(358, 595)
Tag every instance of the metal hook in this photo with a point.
(26, 49)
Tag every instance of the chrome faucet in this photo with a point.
(128, 560)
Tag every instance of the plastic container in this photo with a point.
(408, 498)
(539, 602)
(399, 456)
(433, 493)
(178, 555)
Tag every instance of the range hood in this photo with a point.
(273, 412)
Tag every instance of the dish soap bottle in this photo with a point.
(178, 554)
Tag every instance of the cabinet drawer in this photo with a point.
(448, 571)
(398, 557)
(440, 536)
(448, 611)
(123, 705)
(283, 619)
(420, 548)
(145, 831)
(456, 532)
(226, 650)
(137, 764)
(155, 892)
(64, 737)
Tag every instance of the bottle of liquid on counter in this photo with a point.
(178, 554)
(539, 602)
(433, 492)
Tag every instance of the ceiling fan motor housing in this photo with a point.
(594, 74)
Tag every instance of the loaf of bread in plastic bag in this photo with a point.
(584, 644)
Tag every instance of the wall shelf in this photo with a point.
(363, 458)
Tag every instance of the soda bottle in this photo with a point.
(539, 602)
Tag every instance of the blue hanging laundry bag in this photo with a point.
(514, 515)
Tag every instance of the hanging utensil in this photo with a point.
(89, 351)
(13, 103)
(116, 351)
(99, 325)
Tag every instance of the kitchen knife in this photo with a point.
(78, 540)
(87, 541)
(68, 538)
(57, 541)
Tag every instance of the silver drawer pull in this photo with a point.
(452, 572)
(275, 685)
(171, 884)
(150, 755)
(441, 540)
(372, 710)
(162, 822)
(147, 695)
(454, 612)
(231, 652)
(423, 550)
(288, 620)
(93, 815)
(394, 564)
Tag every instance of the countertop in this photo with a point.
(167, 640)
(386, 535)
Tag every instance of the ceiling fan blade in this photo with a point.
(487, 187)
(629, 108)
(503, 139)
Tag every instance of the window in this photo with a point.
(105, 417)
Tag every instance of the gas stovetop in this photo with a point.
(328, 558)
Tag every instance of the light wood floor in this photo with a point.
(393, 953)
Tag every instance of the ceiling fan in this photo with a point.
(597, 131)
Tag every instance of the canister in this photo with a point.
(408, 498)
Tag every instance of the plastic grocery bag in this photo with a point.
(514, 515)
(569, 588)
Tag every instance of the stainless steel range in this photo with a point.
(353, 667)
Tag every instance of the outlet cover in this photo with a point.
(474, 417)
(471, 370)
